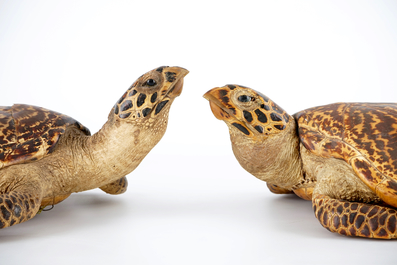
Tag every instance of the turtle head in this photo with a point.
(247, 111)
(263, 135)
(151, 94)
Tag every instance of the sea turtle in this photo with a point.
(45, 156)
(342, 157)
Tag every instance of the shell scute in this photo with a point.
(376, 135)
(363, 134)
(28, 133)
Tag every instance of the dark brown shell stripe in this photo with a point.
(355, 219)
(267, 118)
(16, 208)
(28, 133)
(363, 134)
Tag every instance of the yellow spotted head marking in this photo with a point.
(251, 112)
(151, 93)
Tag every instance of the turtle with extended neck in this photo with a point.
(342, 157)
(45, 156)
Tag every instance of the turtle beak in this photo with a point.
(175, 76)
(177, 89)
(215, 104)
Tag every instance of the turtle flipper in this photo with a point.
(17, 207)
(355, 219)
(116, 187)
(277, 190)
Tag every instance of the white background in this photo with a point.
(189, 202)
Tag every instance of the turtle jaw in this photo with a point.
(220, 112)
(219, 106)
(175, 89)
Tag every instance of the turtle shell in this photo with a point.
(28, 133)
(363, 134)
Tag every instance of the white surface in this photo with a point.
(189, 202)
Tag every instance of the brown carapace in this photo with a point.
(45, 156)
(342, 157)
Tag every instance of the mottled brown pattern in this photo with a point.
(16, 207)
(28, 133)
(355, 219)
(372, 129)
(363, 134)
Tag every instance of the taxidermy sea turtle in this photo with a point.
(45, 156)
(341, 156)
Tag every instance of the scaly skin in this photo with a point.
(17, 207)
(345, 164)
(45, 156)
(355, 219)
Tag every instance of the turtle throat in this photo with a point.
(276, 159)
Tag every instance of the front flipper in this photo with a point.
(17, 207)
(116, 187)
(277, 190)
(355, 219)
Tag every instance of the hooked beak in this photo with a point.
(216, 107)
(176, 88)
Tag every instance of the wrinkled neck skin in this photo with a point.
(275, 160)
(119, 147)
(86, 162)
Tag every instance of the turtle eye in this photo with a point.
(244, 98)
(151, 82)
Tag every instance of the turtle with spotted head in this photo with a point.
(342, 157)
(45, 156)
